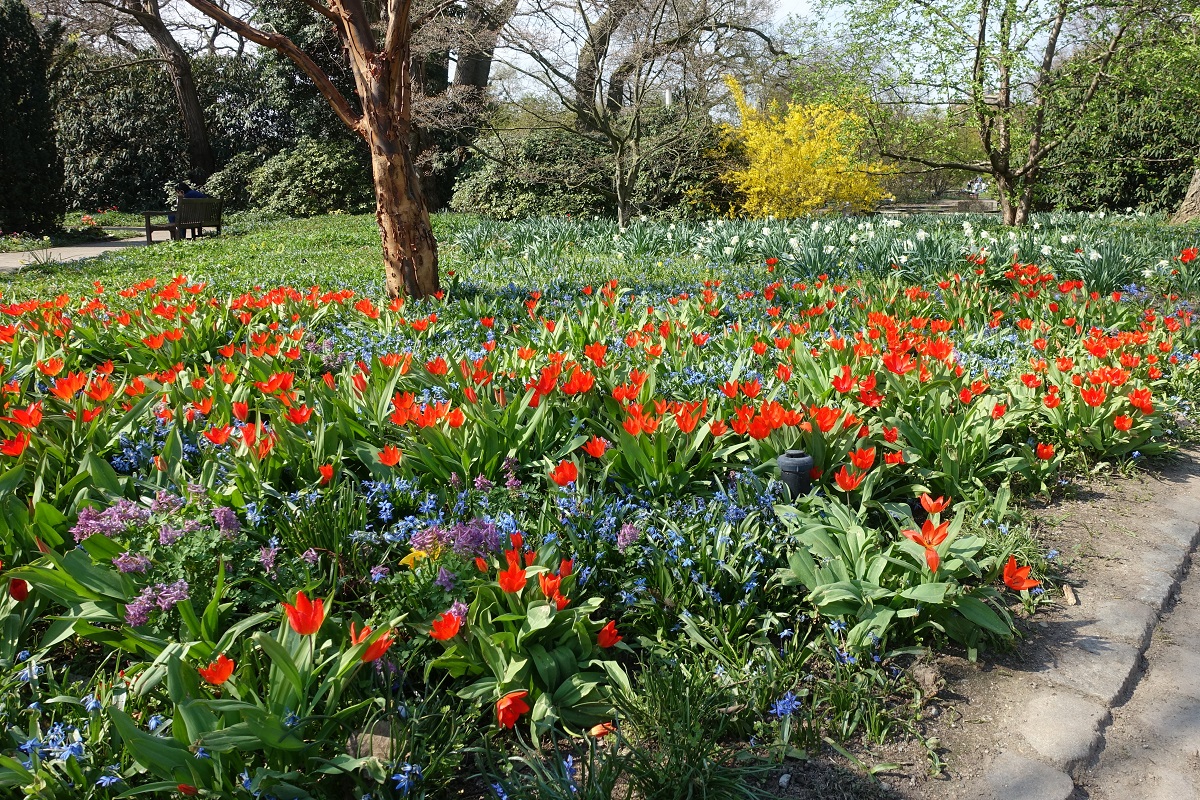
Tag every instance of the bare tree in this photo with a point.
(997, 65)
(610, 66)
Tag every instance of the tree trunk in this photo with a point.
(200, 153)
(1004, 190)
(1189, 209)
(409, 250)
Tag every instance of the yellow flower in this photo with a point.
(412, 558)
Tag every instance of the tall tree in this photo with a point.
(30, 169)
(611, 65)
(126, 25)
(381, 58)
(996, 63)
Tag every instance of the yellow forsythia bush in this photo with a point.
(801, 159)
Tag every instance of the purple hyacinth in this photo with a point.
(138, 611)
(483, 484)
(512, 483)
(170, 594)
(168, 536)
(267, 556)
(430, 539)
(310, 556)
(459, 609)
(131, 562)
(627, 535)
(165, 502)
(113, 520)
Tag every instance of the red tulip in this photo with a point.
(326, 471)
(218, 435)
(377, 648)
(863, 458)
(608, 635)
(445, 627)
(1045, 451)
(566, 472)
(18, 589)
(512, 579)
(1093, 397)
(550, 584)
(899, 363)
(1017, 578)
(389, 456)
(848, 481)
(929, 538)
(16, 445)
(596, 447)
(510, 708)
(1122, 422)
(218, 671)
(306, 616)
(934, 506)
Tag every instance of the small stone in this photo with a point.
(784, 780)
(1069, 595)
(1017, 778)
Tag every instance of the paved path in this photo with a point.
(12, 262)
(1152, 749)
(1109, 709)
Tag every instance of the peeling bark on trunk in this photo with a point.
(409, 250)
(1189, 209)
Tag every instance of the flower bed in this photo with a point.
(305, 542)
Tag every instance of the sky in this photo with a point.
(787, 8)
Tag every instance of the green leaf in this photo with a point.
(981, 614)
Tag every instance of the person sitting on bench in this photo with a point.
(182, 190)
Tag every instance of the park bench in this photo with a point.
(194, 214)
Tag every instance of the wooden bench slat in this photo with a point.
(194, 214)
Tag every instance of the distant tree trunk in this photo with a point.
(1189, 209)
(200, 154)
(474, 66)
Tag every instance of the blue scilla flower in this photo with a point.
(108, 780)
(786, 705)
(91, 704)
(155, 722)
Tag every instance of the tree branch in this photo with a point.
(287, 47)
